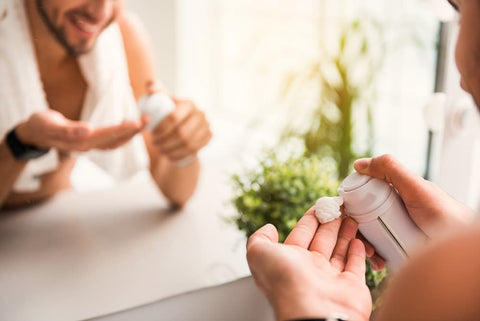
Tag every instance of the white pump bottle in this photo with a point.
(382, 218)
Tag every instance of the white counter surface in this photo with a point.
(83, 255)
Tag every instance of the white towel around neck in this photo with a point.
(109, 99)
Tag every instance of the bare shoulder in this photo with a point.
(138, 50)
(440, 283)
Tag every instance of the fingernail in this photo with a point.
(362, 163)
(80, 132)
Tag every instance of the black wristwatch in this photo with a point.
(21, 151)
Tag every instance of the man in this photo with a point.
(71, 73)
(319, 271)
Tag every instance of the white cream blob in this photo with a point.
(328, 208)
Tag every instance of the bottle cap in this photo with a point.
(354, 181)
(157, 106)
(363, 194)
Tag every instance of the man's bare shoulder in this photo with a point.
(442, 282)
(138, 50)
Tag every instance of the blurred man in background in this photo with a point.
(71, 74)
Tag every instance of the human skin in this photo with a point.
(313, 275)
(467, 51)
(433, 211)
(314, 272)
(439, 283)
(62, 30)
(76, 24)
(429, 206)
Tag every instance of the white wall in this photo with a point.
(159, 18)
(458, 168)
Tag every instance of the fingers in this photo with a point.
(267, 233)
(325, 238)
(369, 249)
(173, 120)
(388, 168)
(347, 233)
(259, 246)
(153, 86)
(116, 142)
(182, 133)
(377, 263)
(114, 136)
(145, 120)
(69, 131)
(177, 148)
(51, 129)
(356, 259)
(303, 233)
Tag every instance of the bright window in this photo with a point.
(233, 55)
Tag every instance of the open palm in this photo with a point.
(319, 270)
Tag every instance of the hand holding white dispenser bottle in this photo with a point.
(158, 106)
(382, 218)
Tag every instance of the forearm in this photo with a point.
(176, 183)
(10, 169)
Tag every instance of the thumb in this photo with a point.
(70, 129)
(386, 167)
(267, 233)
(58, 127)
(153, 86)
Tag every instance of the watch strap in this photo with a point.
(21, 151)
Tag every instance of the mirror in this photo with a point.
(100, 223)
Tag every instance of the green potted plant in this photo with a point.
(280, 190)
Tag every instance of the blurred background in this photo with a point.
(234, 58)
(266, 69)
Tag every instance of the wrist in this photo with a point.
(312, 307)
(20, 150)
(184, 162)
(23, 134)
(293, 309)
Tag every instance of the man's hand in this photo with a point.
(50, 129)
(319, 270)
(182, 133)
(429, 206)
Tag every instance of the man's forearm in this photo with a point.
(10, 169)
(176, 183)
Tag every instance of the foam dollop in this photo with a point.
(328, 208)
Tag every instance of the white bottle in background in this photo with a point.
(382, 218)
(158, 106)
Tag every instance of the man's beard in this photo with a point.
(60, 34)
